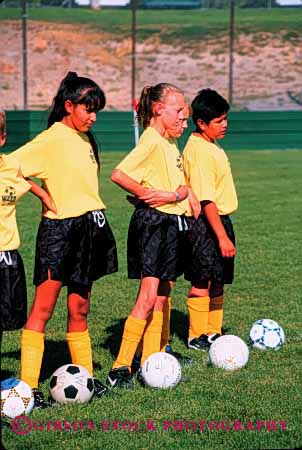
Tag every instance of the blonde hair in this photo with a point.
(149, 96)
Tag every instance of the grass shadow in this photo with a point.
(114, 337)
(179, 325)
(56, 354)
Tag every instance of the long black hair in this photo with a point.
(79, 91)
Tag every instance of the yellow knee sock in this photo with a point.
(152, 336)
(79, 345)
(215, 315)
(165, 334)
(133, 331)
(198, 315)
(32, 349)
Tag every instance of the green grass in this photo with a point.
(267, 284)
(181, 25)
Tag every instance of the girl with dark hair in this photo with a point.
(153, 172)
(75, 246)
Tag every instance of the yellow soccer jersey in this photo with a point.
(156, 163)
(209, 174)
(12, 187)
(63, 158)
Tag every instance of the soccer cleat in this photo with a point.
(39, 400)
(183, 360)
(136, 363)
(120, 377)
(212, 338)
(200, 343)
(99, 389)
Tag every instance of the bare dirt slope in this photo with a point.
(265, 69)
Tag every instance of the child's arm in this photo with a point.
(152, 197)
(227, 247)
(42, 195)
(194, 203)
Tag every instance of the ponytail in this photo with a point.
(149, 96)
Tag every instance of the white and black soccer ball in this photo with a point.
(16, 398)
(161, 370)
(229, 352)
(266, 334)
(71, 383)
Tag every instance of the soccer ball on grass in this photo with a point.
(266, 334)
(161, 370)
(229, 352)
(16, 398)
(71, 383)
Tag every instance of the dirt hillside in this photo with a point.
(265, 67)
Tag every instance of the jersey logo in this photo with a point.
(92, 156)
(9, 196)
(179, 163)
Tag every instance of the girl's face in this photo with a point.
(215, 129)
(79, 117)
(169, 114)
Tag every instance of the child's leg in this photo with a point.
(136, 322)
(198, 306)
(165, 335)
(32, 338)
(153, 331)
(77, 336)
(216, 309)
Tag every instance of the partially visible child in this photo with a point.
(12, 276)
(211, 240)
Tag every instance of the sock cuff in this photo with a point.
(156, 323)
(157, 316)
(217, 300)
(136, 322)
(77, 335)
(198, 303)
(32, 338)
(135, 326)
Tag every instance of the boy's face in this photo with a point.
(215, 129)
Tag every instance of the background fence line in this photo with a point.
(248, 130)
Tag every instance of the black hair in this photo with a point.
(208, 105)
(149, 96)
(80, 91)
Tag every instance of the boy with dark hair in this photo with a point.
(211, 240)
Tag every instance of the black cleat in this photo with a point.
(99, 389)
(136, 364)
(203, 342)
(120, 377)
(183, 360)
(212, 338)
(39, 400)
(200, 343)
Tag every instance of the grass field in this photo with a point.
(171, 25)
(267, 284)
